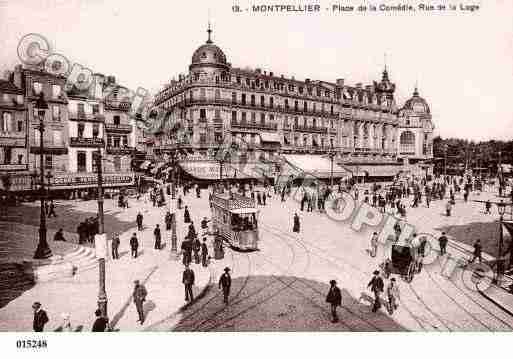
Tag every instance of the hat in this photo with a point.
(333, 282)
(393, 279)
(376, 272)
(226, 269)
(36, 305)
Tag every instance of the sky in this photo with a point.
(462, 61)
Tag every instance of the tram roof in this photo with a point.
(244, 210)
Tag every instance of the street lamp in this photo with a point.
(501, 208)
(331, 154)
(445, 160)
(499, 173)
(101, 239)
(43, 250)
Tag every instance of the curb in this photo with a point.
(495, 302)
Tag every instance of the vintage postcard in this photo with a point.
(244, 166)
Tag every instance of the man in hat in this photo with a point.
(204, 253)
(188, 281)
(442, 242)
(225, 282)
(139, 220)
(139, 297)
(376, 284)
(40, 317)
(334, 297)
(477, 251)
(100, 324)
(134, 245)
(158, 238)
(393, 295)
(115, 245)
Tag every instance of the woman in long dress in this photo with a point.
(186, 215)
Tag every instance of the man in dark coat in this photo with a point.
(296, 226)
(40, 317)
(51, 211)
(168, 220)
(264, 198)
(192, 231)
(158, 238)
(334, 297)
(59, 236)
(139, 297)
(134, 245)
(225, 282)
(186, 215)
(180, 202)
(477, 251)
(188, 281)
(196, 247)
(377, 286)
(442, 242)
(100, 324)
(115, 245)
(186, 251)
(204, 253)
(204, 224)
(139, 220)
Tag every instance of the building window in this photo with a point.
(271, 118)
(331, 109)
(319, 92)
(81, 161)
(407, 142)
(262, 101)
(57, 138)
(238, 80)
(7, 155)
(243, 99)
(217, 94)
(56, 113)
(117, 163)
(271, 102)
(38, 87)
(96, 109)
(305, 106)
(291, 87)
(286, 104)
(296, 106)
(96, 130)
(117, 120)
(203, 138)
(234, 117)
(253, 117)
(80, 129)
(37, 137)
(262, 118)
(125, 141)
(248, 83)
(80, 109)
(243, 118)
(314, 107)
(234, 98)
(20, 126)
(296, 122)
(56, 91)
(109, 141)
(252, 100)
(202, 93)
(203, 114)
(217, 113)
(48, 162)
(314, 123)
(6, 122)
(116, 141)
(20, 159)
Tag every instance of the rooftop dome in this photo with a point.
(417, 104)
(209, 53)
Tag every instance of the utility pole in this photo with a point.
(101, 240)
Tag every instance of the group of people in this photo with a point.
(87, 229)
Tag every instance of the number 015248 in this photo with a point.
(31, 344)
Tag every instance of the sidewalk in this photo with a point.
(77, 295)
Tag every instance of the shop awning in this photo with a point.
(374, 170)
(244, 210)
(269, 137)
(210, 170)
(145, 165)
(315, 165)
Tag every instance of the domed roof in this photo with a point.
(417, 104)
(209, 53)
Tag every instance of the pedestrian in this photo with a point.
(259, 198)
(393, 295)
(204, 224)
(334, 297)
(264, 198)
(477, 251)
(225, 282)
(188, 281)
(139, 296)
(204, 253)
(196, 247)
(488, 206)
(115, 245)
(180, 202)
(186, 215)
(186, 251)
(134, 245)
(374, 244)
(198, 191)
(167, 220)
(448, 208)
(376, 284)
(51, 211)
(59, 236)
(139, 220)
(296, 226)
(158, 238)
(40, 317)
(100, 323)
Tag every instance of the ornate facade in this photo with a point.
(272, 114)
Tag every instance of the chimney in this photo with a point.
(282, 76)
(340, 82)
(265, 73)
(111, 80)
(307, 81)
(258, 71)
(271, 74)
(358, 85)
(292, 78)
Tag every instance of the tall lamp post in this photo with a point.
(499, 173)
(43, 250)
(445, 160)
(101, 239)
(331, 154)
(501, 207)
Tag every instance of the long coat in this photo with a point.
(186, 216)
(334, 296)
(40, 319)
(295, 228)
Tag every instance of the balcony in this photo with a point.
(49, 148)
(82, 116)
(110, 127)
(13, 167)
(86, 142)
(12, 139)
(258, 126)
(121, 105)
(125, 150)
(310, 129)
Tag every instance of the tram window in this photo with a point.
(244, 222)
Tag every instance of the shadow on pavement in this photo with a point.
(13, 282)
(277, 303)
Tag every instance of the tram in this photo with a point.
(235, 220)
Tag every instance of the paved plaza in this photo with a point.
(280, 287)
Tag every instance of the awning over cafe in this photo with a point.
(374, 170)
(315, 165)
(269, 137)
(210, 170)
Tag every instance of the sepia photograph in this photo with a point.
(246, 166)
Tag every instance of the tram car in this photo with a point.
(404, 260)
(235, 220)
